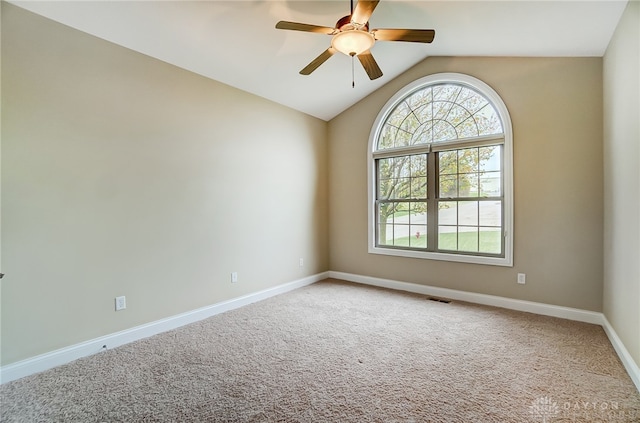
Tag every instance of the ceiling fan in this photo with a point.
(352, 36)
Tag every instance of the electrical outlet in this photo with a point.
(234, 277)
(121, 303)
(522, 278)
(301, 262)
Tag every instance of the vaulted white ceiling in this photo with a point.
(235, 42)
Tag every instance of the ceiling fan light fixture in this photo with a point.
(352, 42)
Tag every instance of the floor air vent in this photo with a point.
(440, 300)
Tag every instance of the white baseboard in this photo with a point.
(508, 303)
(472, 297)
(67, 354)
(627, 361)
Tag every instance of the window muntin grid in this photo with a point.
(438, 113)
(448, 114)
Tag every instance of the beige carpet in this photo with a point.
(340, 352)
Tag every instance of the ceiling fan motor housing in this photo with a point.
(345, 24)
(352, 39)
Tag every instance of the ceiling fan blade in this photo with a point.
(370, 65)
(410, 35)
(363, 11)
(324, 56)
(296, 26)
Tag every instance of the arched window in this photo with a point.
(440, 173)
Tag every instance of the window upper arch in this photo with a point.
(445, 111)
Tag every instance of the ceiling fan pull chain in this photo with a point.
(353, 76)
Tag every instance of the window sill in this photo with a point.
(459, 258)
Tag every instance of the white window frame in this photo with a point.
(498, 103)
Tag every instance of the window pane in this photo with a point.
(410, 123)
(471, 100)
(490, 240)
(443, 131)
(401, 235)
(488, 121)
(401, 188)
(446, 92)
(424, 113)
(467, 128)
(418, 237)
(402, 166)
(403, 138)
(420, 98)
(419, 165)
(385, 234)
(385, 213)
(468, 185)
(401, 224)
(457, 115)
(424, 134)
(447, 238)
(387, 136)
(448, 162)
(468, 213)
(391, 132)
(468, 160)
(467, 239)
(384, 189)
(448, 213)
(399, 113)
(448, 186)
(385, 168)
(489, 158)
(490, 213)
(418, 213)
(491, 184)
(401, 209)
(419, 187)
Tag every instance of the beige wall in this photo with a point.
(123, 175)
(556, 111)
(622, 180)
